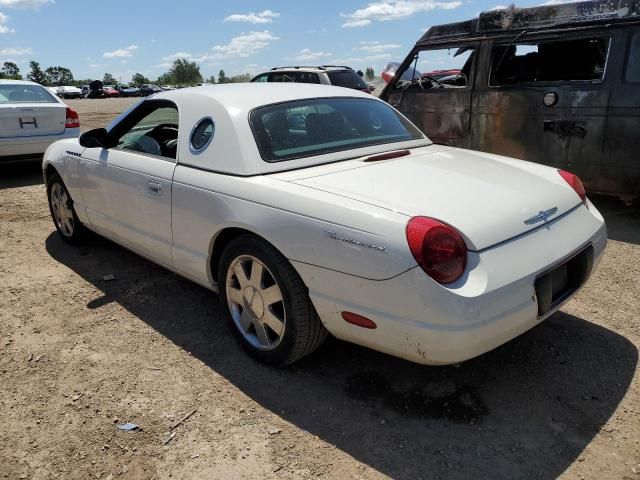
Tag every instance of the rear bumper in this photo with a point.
(424, 322)
(18, 149)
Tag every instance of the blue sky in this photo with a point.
(124, 37)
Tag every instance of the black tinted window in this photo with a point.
(633, 61)
(295, 76)
(313, 127)
(347, 78)
(565, 60)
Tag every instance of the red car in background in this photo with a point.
(110, 91)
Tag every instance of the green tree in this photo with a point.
(222, 77)
(109, 79)
(36, 74)
(211, 79)
(165, 79)
(139, 79)
(59, 76)
(369, 73)
(244, 77)
(185, 72)
(11, 71)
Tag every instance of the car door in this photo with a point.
(129, 184)
(440, 103)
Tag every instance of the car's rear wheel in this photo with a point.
(61, 207)
(267, 303)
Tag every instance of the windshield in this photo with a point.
(305, 128)
(25, 94)
(347, 78)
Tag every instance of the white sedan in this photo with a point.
(315, 209)
(31, 119)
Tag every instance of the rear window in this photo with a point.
(306, 128)
(347, 78)
(549, 61)
(10, 93)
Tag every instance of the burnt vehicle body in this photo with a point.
(557, 85)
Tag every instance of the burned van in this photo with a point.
(557, 85)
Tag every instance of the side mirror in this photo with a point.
(96, 138)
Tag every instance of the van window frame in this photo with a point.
(545, 39)
(474, 44)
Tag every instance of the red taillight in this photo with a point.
(72, 120)
(439, 249)
(575, 183)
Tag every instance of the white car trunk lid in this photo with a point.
(486, 199)
(30, 119)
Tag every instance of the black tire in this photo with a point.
(303, 330)
(79, 232)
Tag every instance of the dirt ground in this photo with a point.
(80, 354)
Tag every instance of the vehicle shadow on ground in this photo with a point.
(623, 222)
(20, 175)
(525, 410)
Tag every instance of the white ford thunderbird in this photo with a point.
(315, 209)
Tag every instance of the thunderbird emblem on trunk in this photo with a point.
(542, 216)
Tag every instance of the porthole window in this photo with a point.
(202, 134)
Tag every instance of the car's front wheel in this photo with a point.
(267, 303)
(62, 211)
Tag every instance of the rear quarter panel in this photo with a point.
(305, 225)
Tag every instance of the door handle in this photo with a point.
(154, 187)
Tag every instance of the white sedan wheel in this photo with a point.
(255, 302)
(62, 210)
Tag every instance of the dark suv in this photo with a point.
(337, 75)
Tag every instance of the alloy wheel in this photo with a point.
(62, 209)
(255, 302)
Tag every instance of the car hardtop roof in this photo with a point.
(18, 82)
(506, 21)
(313, 67)
(247, 96)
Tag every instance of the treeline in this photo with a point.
(181, 73)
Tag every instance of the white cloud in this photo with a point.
(266, 16)
(24, 3)
(3, 24)
(95, 66)
(497, 7)
(243, 45)
(123, 52)
(175, 56)
(360, 60)
(15, 52)
(376, 47)
(308, 54)
(394, 10)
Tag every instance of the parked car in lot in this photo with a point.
(31, 119)
(53, 90)
(312, 209)
(146, 90)
(85, 90)
(126, 91)
(340, 76)
(556, 85)
(110, 91)
(69, 92)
